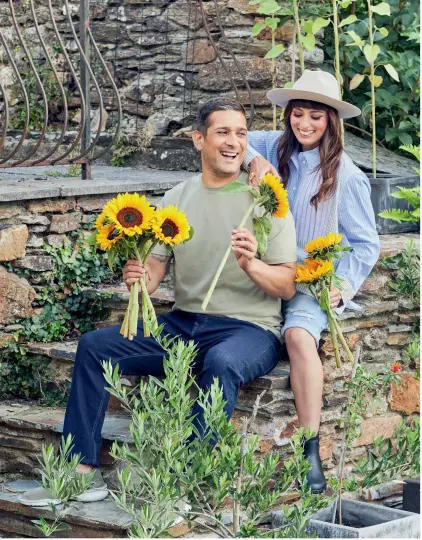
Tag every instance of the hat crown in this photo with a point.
(319, 82)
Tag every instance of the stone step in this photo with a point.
(103, 519)
(94, 520)
(25, 427)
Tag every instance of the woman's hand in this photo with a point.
(258, 167)
(335, 298)
(133, 271)
(244, 246)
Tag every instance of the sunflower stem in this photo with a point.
(226, 256)
(343, 342)
(149, 308)
(134, 309)
(333, 331)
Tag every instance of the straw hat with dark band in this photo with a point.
(317, 86)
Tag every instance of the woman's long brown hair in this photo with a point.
(330, 149)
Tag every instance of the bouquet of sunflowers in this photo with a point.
(129, 227)
(318, 274)
(271, 196)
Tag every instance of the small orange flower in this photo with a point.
(396, 367)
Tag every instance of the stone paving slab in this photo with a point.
(104, 514)
(51, 419)
(23, 183)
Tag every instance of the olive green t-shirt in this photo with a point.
(213, 215)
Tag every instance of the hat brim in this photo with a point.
(281, 96)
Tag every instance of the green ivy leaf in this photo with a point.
(275, 51)
(272, 22)
(348, 20)
(383, 31)
(381, 9)
(345, 4)
(257, 29)
(308, 42)
(268, 7)
(319, 23)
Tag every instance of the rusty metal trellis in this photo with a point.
(83, 144)
(81, 147)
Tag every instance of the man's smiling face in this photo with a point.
(223, 147)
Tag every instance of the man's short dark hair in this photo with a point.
(212, 105)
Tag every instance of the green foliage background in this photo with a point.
(397, 112)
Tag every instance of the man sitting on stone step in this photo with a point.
(238, 337)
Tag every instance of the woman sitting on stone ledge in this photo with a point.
(327, 193)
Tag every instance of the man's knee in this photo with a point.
(221, 364)
(88, 347)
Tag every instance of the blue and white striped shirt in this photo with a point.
(356, 220)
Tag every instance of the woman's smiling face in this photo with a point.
(308, 125)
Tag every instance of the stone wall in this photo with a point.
(383, 327)
(160, 56)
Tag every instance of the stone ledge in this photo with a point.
(20, 184)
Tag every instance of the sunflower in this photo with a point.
(170, 226)
(323, 243)
(107, 236)
(277, 203)
(130, 213)
(313, 270)
(100, 221)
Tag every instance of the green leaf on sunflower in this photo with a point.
(262, 228)
(236, 187)
(392, 72)
(275, 51)
(348, 20)
(371, 52)
(91, 240)
(257, 29)
(381, 9)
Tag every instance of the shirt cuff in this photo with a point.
(250, 154)
(346, 291)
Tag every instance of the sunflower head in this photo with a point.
(130, 213)
(325, 246)
(107, 236)
(312, 270)
(276, 202)
(170, 226)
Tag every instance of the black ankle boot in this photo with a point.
(315, 477)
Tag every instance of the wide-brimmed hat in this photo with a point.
(317, 86)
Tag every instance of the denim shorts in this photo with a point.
(303, 311)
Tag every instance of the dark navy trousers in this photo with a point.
(234, 351)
